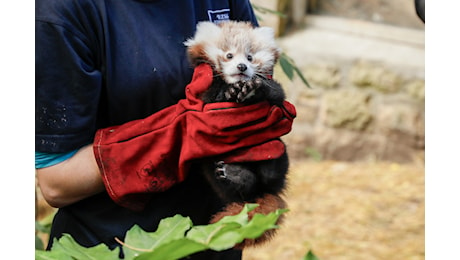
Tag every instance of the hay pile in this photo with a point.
(351, 211)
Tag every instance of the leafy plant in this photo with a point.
(287, 63)
(176, 237)
(313, 153)
(42, 227)
(289, 68)
(263, 10)
(310, 256)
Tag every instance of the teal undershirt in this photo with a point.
(43, 160)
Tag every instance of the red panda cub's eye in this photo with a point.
(249, 57)
(229, 56)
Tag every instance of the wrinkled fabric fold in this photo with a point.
(152, 154)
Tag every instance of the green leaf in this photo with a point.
(299, 73)
(168, 229)
(231, 230)
(287, 67)
(242, 217)
(44, 225)
(39, 243)
(225, 233)
(264, 10)
(69, 246)
(310, 256)
(314, 153)
(211, 235)
(222, 234)
(42, 228)
(52, 255)
(175, 238)
(261, 223)
(174, 250)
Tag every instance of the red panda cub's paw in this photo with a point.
(246, 89)
(267, 204)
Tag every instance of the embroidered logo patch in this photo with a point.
(218, 16)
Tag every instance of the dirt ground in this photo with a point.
(341, 211)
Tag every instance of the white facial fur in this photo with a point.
(230, 70)
(236, 50)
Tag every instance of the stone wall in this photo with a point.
(367, 100)
(362, 111)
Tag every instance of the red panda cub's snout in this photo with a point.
(237, 51)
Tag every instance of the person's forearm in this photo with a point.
(72, 180)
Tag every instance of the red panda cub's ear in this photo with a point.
(196, 54)
(206, 35)
(266, 35)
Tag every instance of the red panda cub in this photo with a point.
(242, 58)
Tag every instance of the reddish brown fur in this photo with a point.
(197, 54)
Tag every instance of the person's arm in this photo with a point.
(67, 89)
(71, 180)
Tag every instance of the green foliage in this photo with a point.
(287, 63)
(263, 10)
(43, 227)
(176, 237)
(66, 245)
(289, 68)
(310, 256)
(39, 243)
(313, 153)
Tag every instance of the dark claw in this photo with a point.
(221, 174)
(227, 95)
(219, 164)
(231, 92)
(240, 97)
(220, 170)
(258, 82)
(245, 90)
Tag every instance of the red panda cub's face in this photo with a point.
(236, 50)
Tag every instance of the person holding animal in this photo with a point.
(120, 120)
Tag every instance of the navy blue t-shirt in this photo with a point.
(101, 63)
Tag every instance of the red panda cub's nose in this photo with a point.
(242, 67)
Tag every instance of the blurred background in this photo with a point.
(357, 148)
(356, 181)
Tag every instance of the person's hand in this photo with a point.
(152, 154)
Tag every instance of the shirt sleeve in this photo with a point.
(67, 81)
(43, 160)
